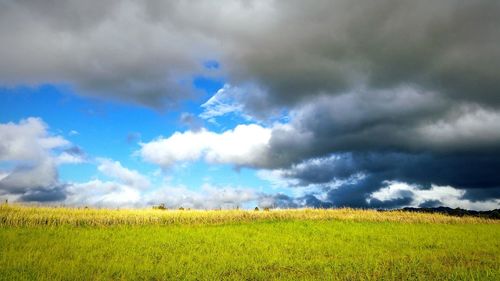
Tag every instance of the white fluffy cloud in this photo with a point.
(208, 197)
(32, 154)
(244, 145)
(224, 101)
(35, 155)
(103, 194)
(28, 140)
(118, 194)
(68, 158)
(126, 176)
(130, 188)
(445, 195)
(125, 189)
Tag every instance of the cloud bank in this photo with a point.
(293, 50)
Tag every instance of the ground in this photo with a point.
(257, 247)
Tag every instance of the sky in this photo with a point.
(225, 104)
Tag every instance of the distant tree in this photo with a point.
(160, 207)
(256, 209)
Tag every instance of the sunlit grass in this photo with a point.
(19, 215)
(46, 243)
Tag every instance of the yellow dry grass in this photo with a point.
(22, 215)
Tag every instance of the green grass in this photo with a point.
(253, 250)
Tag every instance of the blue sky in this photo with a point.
(114, 130)
(220, 104)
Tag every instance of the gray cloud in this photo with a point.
(31, 155)
(191, 121)
(147, 52)
(398, 120)
(351, 179)
(330, 47)
(460, 171)
(44, 194)
(431, 204)
(26, 177)
(106, 49)
(208, 197)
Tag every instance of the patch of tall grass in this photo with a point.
(21, 215)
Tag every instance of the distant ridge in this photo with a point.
(492, 214)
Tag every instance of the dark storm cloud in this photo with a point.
(333, 46)
(350, 179)
(148, 51)
(33, 183)
(27, 176)
(109, 49)
(460, 171)
(479, 194)
(43, 194)
(402, 119)
(431, 204)
(278, 200)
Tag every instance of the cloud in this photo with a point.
(72, 155)
(27, 141)
(403, 134)
(403, 119)
(129, 188)
(31, 155)
(25, 177)
(350, 179)
(124, 189)
(115, 170)
(208, 197)
(247, 101)
(44, 195)
(244, 145)
(191, 121)
(85, 46)
(223, 102)
(102, 194)
(290, 49)
(334, 46)
(436, 195)
(464, 128)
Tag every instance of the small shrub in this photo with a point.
(160, 207)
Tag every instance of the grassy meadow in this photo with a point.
(43, 243)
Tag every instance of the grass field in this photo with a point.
(344, 244)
